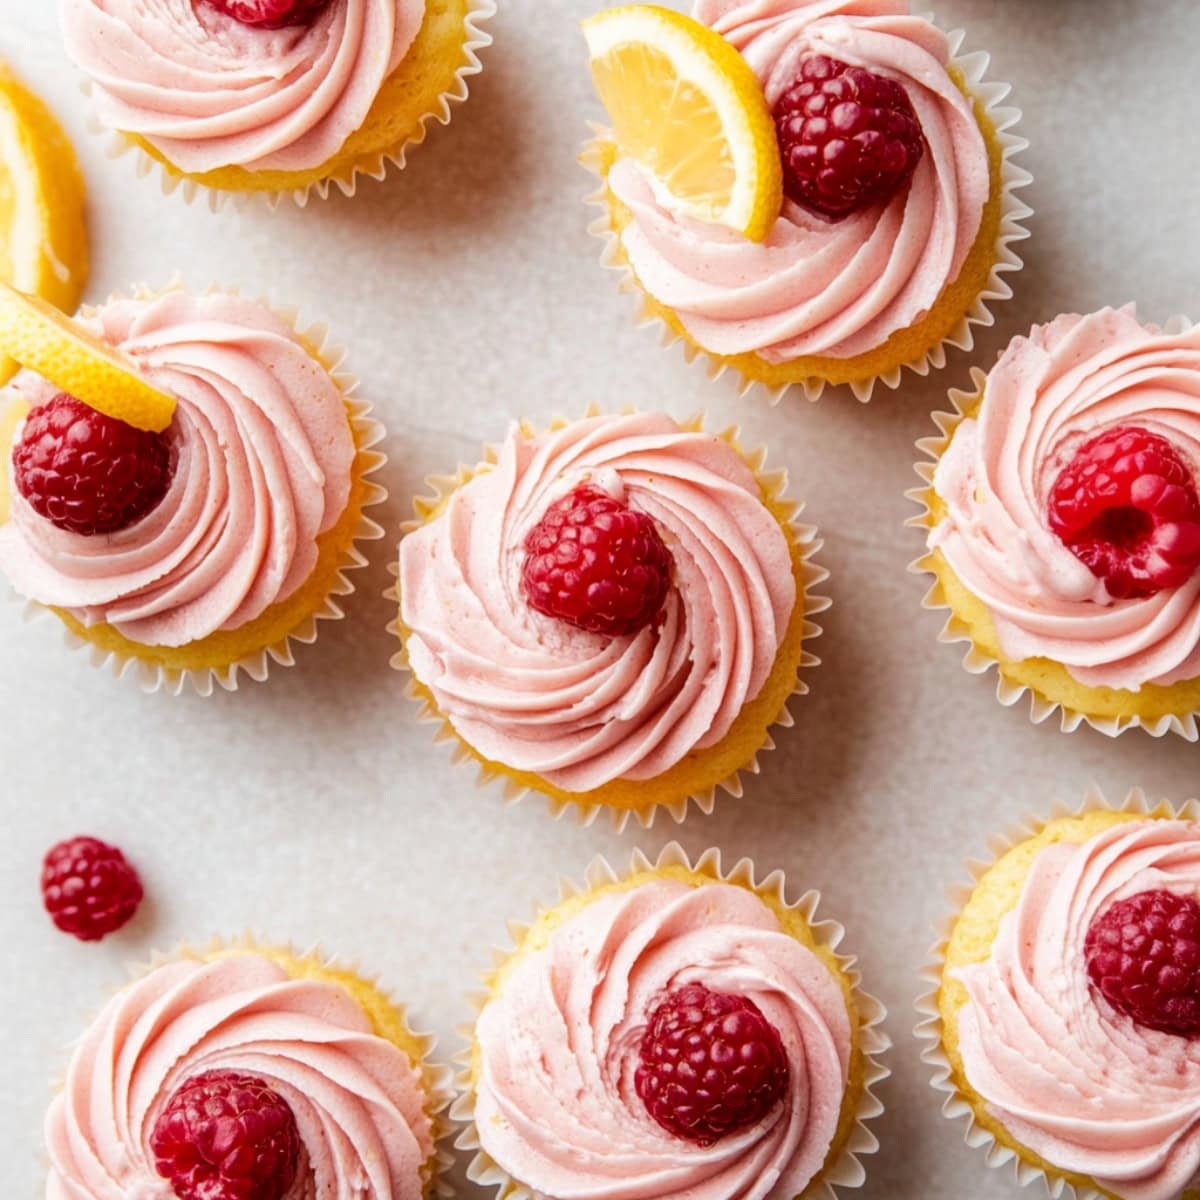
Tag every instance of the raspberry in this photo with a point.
(226, 1136)
(1143, 956)
(596, 564)
(88, 473)
(1126, 506)
(269, 14)
(88, 888)
(709, 1064)
(848, 137)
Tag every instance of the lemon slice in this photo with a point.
(43, 241)
(39, 337)
(687, 107)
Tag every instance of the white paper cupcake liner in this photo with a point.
(1013, 212)
(807, 540)
(171, 180)
(929, 1028)
(975, 661)
(846, 1171)
(154, 677)
(438, 1079)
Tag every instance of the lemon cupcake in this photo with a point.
(570, 1085)
(248, 1071)
(612, 612)
(43, 236)
(804, 193)
(1066, 1002)
(1063, 522)
(274, 96)
(185, 480)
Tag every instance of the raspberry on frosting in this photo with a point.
(268, 14)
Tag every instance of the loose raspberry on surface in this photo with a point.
(848, 137)
(1143, 956)
(88, 887)
(88, 473)
(226, 1136)
(268, 14)
(709, 1064)
(597, 564)
(1126, 506)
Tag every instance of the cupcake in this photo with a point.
(1066, 1008)
(878, 163)
(1063, 522)
(187, 555)
(247, 1071)
(571, 1086)
(274, 96)
(612, 612)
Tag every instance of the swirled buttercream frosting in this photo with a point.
(1049, 394)
(1084, 1087)
(557, 1045)
(357, 1100)
(262, 451)
(582, 709)
(207, 91)
(820, 287)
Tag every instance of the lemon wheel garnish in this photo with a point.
(687, 107)
(39, 337)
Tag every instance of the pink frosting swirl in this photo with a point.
(577, 708)
(1079, 1084)
(555, 1101)
(357, 1100)
(1065, 383)
(817, 287)
(263, 454)
(207, 91)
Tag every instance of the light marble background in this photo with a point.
(316, 809)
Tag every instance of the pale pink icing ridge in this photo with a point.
(1082, 1086)
(263, 454)
(207, 91)
(816, 287)
(1051, 391)
(577, 708)
(357, 1100)
(555, 1101)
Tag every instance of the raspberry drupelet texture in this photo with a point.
(848, 137)
(226, 1136)
(597, 564)
(709, 1064)
(88, 887)
(86, 472)
(1143, 956)
(268, 14)
(1126, 506)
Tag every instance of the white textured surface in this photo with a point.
(315, 809)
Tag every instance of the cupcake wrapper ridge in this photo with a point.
(976, 661)
(928, 1029)
(806, 538)
(1014, 211)
(846, 1172)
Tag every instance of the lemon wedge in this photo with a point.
(39, 337)
(43, 241)
(687, 107)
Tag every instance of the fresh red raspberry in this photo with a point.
(88, 887)
(269, 14)
(848, 137)
(709, 1064)
(596, 564)
(88, 473)
(226, 1136)
(1126, 506)
(1143, 956)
